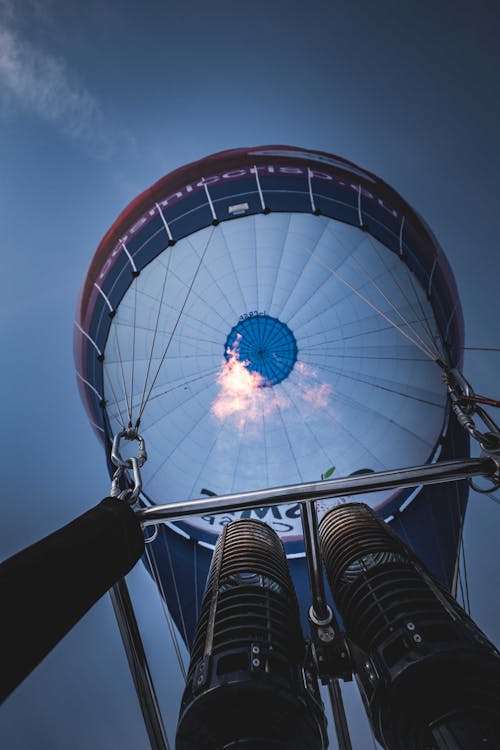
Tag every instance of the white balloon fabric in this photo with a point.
(268, 317)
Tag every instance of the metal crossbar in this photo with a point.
(443, 471)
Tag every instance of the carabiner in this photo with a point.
(133, 464)
(129, 434)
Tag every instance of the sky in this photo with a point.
(97, 102)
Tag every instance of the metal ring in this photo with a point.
(461, 382)
(316, 620)
(487, 490)
(130, 494)
(149, 539)
(127, 496)
(116, 457)
(137, 479)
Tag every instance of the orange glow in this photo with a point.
(242, 394)
(317, 394)
(239, 386)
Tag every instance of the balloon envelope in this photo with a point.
(270, 316)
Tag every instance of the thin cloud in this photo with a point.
(42, 83)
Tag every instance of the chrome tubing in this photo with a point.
(443, 471)
(138, 664)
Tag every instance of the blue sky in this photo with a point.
(99, 101)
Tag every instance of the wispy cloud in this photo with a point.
(42, 83)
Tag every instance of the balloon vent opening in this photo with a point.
(250, 682)
(265, 345)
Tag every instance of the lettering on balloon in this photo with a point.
(236, 174)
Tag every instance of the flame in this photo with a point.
(242, 394)
(238, 385)
(317, 394)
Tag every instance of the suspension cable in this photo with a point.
(155, 332)
(145, 400)
(481, 400)
(428, 345)
(466, 577)
(480, 348)
(168, 617)
(423, 349)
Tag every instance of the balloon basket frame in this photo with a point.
(487, 466)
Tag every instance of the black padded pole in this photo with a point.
(46, 588)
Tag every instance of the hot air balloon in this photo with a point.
(266, 317)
